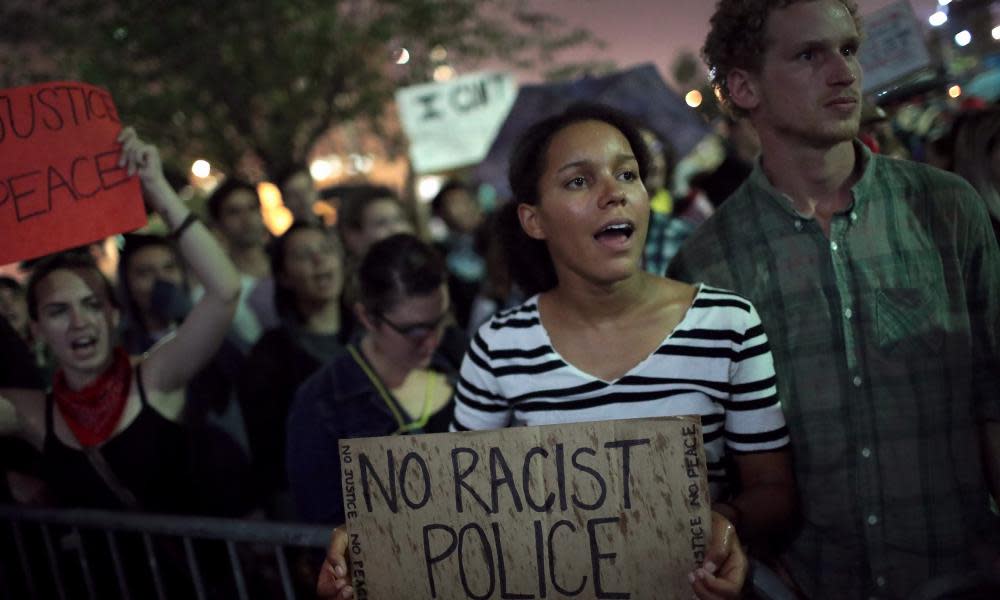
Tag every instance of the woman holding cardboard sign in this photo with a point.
(108, 431)
(601, 339)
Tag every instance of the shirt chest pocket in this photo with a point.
(911, 320)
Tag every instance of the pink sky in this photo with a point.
(637, 31)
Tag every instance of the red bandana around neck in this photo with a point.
(93, 412)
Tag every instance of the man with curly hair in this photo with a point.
(878, 283)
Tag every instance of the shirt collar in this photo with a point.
(860, 190)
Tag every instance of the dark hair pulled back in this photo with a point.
(530, 262)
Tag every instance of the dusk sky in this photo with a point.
(637, 31)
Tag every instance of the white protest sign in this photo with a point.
(893, 47)
(452, 124)
(612, 509)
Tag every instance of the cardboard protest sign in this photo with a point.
(893, 46)
(613, 509)
(60, 184)
(452, 124)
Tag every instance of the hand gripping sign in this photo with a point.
(614, 509)
(60, 183)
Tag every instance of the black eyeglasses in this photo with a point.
(418, 331)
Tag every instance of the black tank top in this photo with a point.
(150, 457)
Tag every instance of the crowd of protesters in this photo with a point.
(828, 305)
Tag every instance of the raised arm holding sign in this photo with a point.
(107, 406)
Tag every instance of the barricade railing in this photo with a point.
(75, 553)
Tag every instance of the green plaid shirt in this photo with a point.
(666, 235)
(885, 341)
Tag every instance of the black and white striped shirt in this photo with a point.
(716, 363)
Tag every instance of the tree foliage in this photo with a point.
(255, 83)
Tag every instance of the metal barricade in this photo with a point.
(69, 554)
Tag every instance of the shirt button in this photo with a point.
(848, 313)
(798, 225)
(880, 581)
(856, 381)
(833, 246)
(872, 519)
(866, 452)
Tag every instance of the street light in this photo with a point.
(963, 38)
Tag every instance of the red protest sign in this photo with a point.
(60, 183)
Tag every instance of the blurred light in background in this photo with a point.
(938, 19)
(439, 54)
(320, 169)
(201, 168)
(693, 98)
(326, 167)
(277, 218)
(401, 56)
(954, 91)
(360, 164)
(326, 212)
(428, 186)
(270, 195)
(996, 32)
(443, 73)
(944, 2)
(963, 38)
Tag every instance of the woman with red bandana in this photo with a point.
(109, 431)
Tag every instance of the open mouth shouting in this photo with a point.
(616, 234)
(84, 346)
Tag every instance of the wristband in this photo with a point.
(189, 220)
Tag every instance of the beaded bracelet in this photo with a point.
(189, 220)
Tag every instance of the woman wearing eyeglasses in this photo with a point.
(396, 379)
